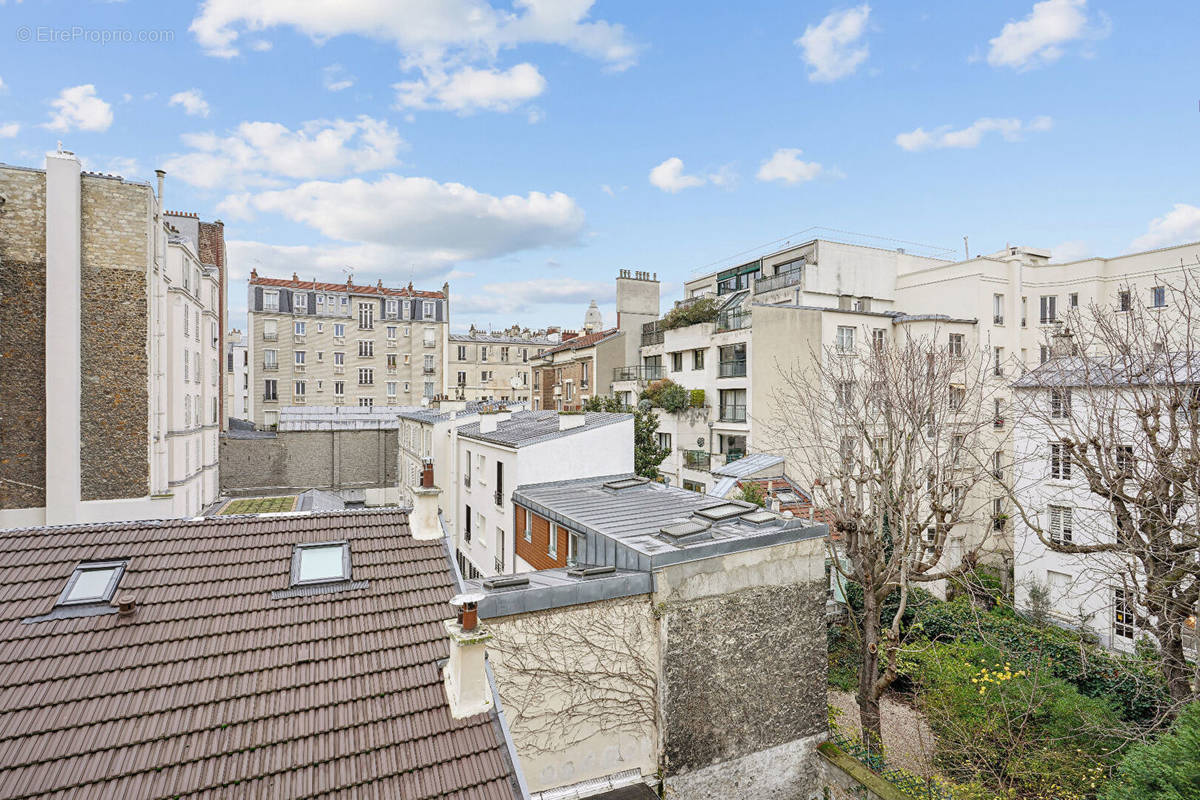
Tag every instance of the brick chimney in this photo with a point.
(465, 674)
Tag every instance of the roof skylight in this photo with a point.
(92, 582)
(323, 562)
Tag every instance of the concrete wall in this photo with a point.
(299, 460)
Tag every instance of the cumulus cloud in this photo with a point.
(669, 176)
(261, 153)
(1010, 130)
(447, 31)
(1072, 250)
(437, 222)
(470, 89)
(785, 165)
(1180, 224)
(78, 108)
(3, 86)
(1040, 38)
(523, 296)
(832, 48)
(9, 129)
(192, 101)
(336, 78)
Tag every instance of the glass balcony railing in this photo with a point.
(733, 320)
(731, 369)
(733, 413)
(791, 278)
(696, 459)
(638, 373)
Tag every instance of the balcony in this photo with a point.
(467, 480)
(339, 370)
(428, 343)
(267, 337)
(638, 373)
(793, 277)
(498, 496)
(299, 338)
(998, 319)
(270, 398)
(733, 320)
(697, 459)
(733, 413)
(731, 369)
(428, 370)
(272, 367)
(500, 563)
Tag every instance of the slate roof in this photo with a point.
(212, 689)
(581, 342)
(533, 427)
(498, 337)
(348, 288)
(748, 465)
(1176, 368)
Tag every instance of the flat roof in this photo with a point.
(532, 427)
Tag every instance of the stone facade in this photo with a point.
(23, 347)
(300, 460)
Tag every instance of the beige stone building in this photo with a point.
(496, 365)
(331, 344)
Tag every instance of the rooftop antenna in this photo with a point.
(966, 249)
(349, 270)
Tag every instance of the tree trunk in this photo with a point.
(1175, 670)
(868, 673)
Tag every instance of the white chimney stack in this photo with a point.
(487, 423)
(465, 674)
(568, 421)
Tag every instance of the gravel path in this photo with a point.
(906, 735)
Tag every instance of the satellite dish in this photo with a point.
(515, 381)
(700, 441)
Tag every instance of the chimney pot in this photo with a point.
(126, 604)
(427, 474)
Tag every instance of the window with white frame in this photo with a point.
(392, 308)
(366, 376)
(1048, 305)
(1158, 296)
(339, 388)
(366, 347)
(270, 300)
(1061, 519)
(957, 340)
(391, 388)
(552, 542)
(339, 358)
(1124, 301)
(391, 333)
(270, 389)
(366, 402)
(845, 339)
(301, 327)
(301, 387)
(428, 311)
(301, 302)
(528, 526)
(878, 339)
(1123, 620)
(430, 336)
(300, 356)
(339, 330)
(366, 316)
(1060, 403)
(1060, 461)
(185, 365)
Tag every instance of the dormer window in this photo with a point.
(325, 562)
(92, 583)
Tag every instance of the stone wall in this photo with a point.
(114, 384)
(22, 338)
(299, 460)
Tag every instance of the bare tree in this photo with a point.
(1114, 415)
(895, 436)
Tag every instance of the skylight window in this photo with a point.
(325, 562)
(92, 582)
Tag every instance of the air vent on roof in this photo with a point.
(723, 511)
(505, 583)
(685, 533)
(625, 483)
(760, 517)
(591, 572)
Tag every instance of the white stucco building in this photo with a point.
(238, 397)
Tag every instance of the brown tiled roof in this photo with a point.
(353, 288)
(579, 342)
(212, 689)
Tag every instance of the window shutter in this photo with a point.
(437, 310)
(416, 309)
(258, 301)
(285, 300)
(312, 302)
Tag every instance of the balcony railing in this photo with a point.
(500, 562)
(733, 320)
(498, 496)
(467, 480)
(734, 455)
(638, 373)
(270, 337)
(270, 398)
(733, 413)
(428, 370)
(731, 369)
(790, 278)
(998, 319)
(697, 459)
(272, 367)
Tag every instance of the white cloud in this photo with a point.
(9, 129)
(1040, 37)
(470, 89)
(1180, 224)
(521, 296)
(78, 107)
(429, 221)
(193, 102)
(1009, 129)
(1072, 250)
(785, 165)
(336, 78)
(535, 115)
(3, 85)
(427, 34)
(260, 153)
(669, 176)
(832, 48)
(260, 45)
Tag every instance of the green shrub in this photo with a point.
(753, 493)
(697, 398)
(1167, 769)
(704, 310)
(667, 395)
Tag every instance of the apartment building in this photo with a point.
(566, 375)
(502, 450)
(239, 399)
(496, 365)
(344, 344)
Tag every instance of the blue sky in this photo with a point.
(527, 150)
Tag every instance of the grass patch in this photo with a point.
(259, 505)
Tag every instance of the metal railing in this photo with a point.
(270, 337)
(733, 320)
(731, 369)
(498, 496)
(734, 455)
(733, 413)
(428, 370)
(500, 562)
(697, 459)
(792, 277)
(638, 373)
(272, 367)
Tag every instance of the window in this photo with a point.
(320, 355)
(300, 388)
(320, 302)
(339, 388)
(366, 316)
(1073, 300)
(430, 340)
(878, 339)
(676, 362)
(270, 390)
(270, 301)
(391, 361)
(467, 476)
(339, 330)
(429, 365)
(528, 526)
(586, 375)
(366, 347)
(366, 402)
(1158, 297)
(1124, 302)
(664, 441)
(1043, 353)
(92, 582)
(1060, 461)
(845, 393)
(956, 345)
(366, 376)
(998, 514)
(1060, 523)
(998, 361)
(407, 331)
(391, 388)
(1124, 458)
(998, 464)
(301, 302)
(503, 353)
(185, 364)
(462, 379)
(845, 339)
(697, 359)
(339, 358)
(391, 333)
(1024, 310)
(300, 355)
(1122, 615)
(427, 309)
(1049, 309)
(499, 550)
(958, 397)
(552, 542)
(997, 309)
(392, 308)
(483, 353)
(1060, 403)
(185, 321)
(462, 353)
(326, 562)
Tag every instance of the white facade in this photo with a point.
(238, 397)
(488, 472)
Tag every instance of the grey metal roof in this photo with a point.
(555, 588)
(1158, 368)
(422, 414)
(748, 465)
(723, 487)
(531, 427)
(640, 527)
